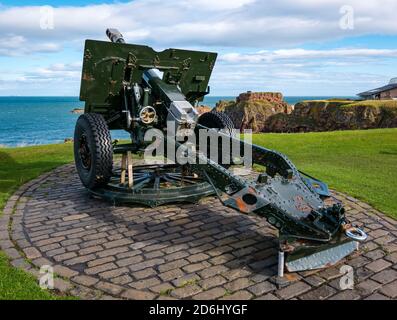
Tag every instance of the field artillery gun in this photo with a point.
(136, 89)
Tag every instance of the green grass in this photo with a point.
(16, 284)
(361, 163)
(17, 166)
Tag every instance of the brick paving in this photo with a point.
(184, 251)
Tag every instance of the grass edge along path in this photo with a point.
(18, 166)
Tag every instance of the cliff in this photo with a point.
(251, 110)
(330, 115)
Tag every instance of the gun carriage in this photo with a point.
(134, 88)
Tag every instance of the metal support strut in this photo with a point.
(126, 166)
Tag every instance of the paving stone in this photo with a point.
(212, 282)
(262, 288)
(196, 267)
(114, 273)
(392, 257)
(385, 276)
(128, 261)
(293, 290)
(101, 268)
(377, 296)
(198, 257)
(375, 254)
(367, 287)
(173, 265)
(89, 250)
(12, 253)
(320, 293)
(109, 287)
(164, 289)
(211, 294)
(62, 285)
(240, 295)
(138, 295)
(185, 292)
(146, 264)
(238, 284)
(185, 280)
(268, 296)
(144, 273)
(79, 260)
(117, 243)
(20, 263)
(85, 280)
(32, 253)
(143, 284)
(389, 290)
(346, 295)
(64, 256)
(122, 280)
(171, 275)
(236, 273)
(314, 280)
(212, 271)
(64, 271)
(331, 273)
(359, 262)
(378, 265)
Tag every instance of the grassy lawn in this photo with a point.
(16, 167)
(360, 163)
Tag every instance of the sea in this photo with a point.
(26, 121)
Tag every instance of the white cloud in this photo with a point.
(14, 45)
(299, 53)
(205, 22)
(253, 26)
(56, 72)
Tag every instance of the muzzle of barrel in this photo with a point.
(115, 35)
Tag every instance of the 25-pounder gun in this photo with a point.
(135, 88)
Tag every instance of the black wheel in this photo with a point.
(217, 120)
(93, 150)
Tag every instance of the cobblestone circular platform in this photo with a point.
(199, 251)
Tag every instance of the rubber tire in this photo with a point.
(217, 120)
(95, 128)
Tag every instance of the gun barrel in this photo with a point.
(115, 35)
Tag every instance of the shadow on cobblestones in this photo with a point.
(94, 237)
(204, 250)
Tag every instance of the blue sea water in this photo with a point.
(43, 120)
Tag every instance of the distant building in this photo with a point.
(387, 92)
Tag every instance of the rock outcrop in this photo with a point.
(203, 109)
(251, 110)
(77, 111)
(330, 115)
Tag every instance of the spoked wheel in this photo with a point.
(93, 150)
(155, 185)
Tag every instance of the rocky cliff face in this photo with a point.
(335, 115)
(251, 110)
(268, 112)
(203, 109)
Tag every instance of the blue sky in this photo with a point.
(297, 47)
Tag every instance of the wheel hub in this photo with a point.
(156, 184)
(85, 152)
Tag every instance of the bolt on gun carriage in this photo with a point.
(134, 88)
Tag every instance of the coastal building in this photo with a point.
(386, 92)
